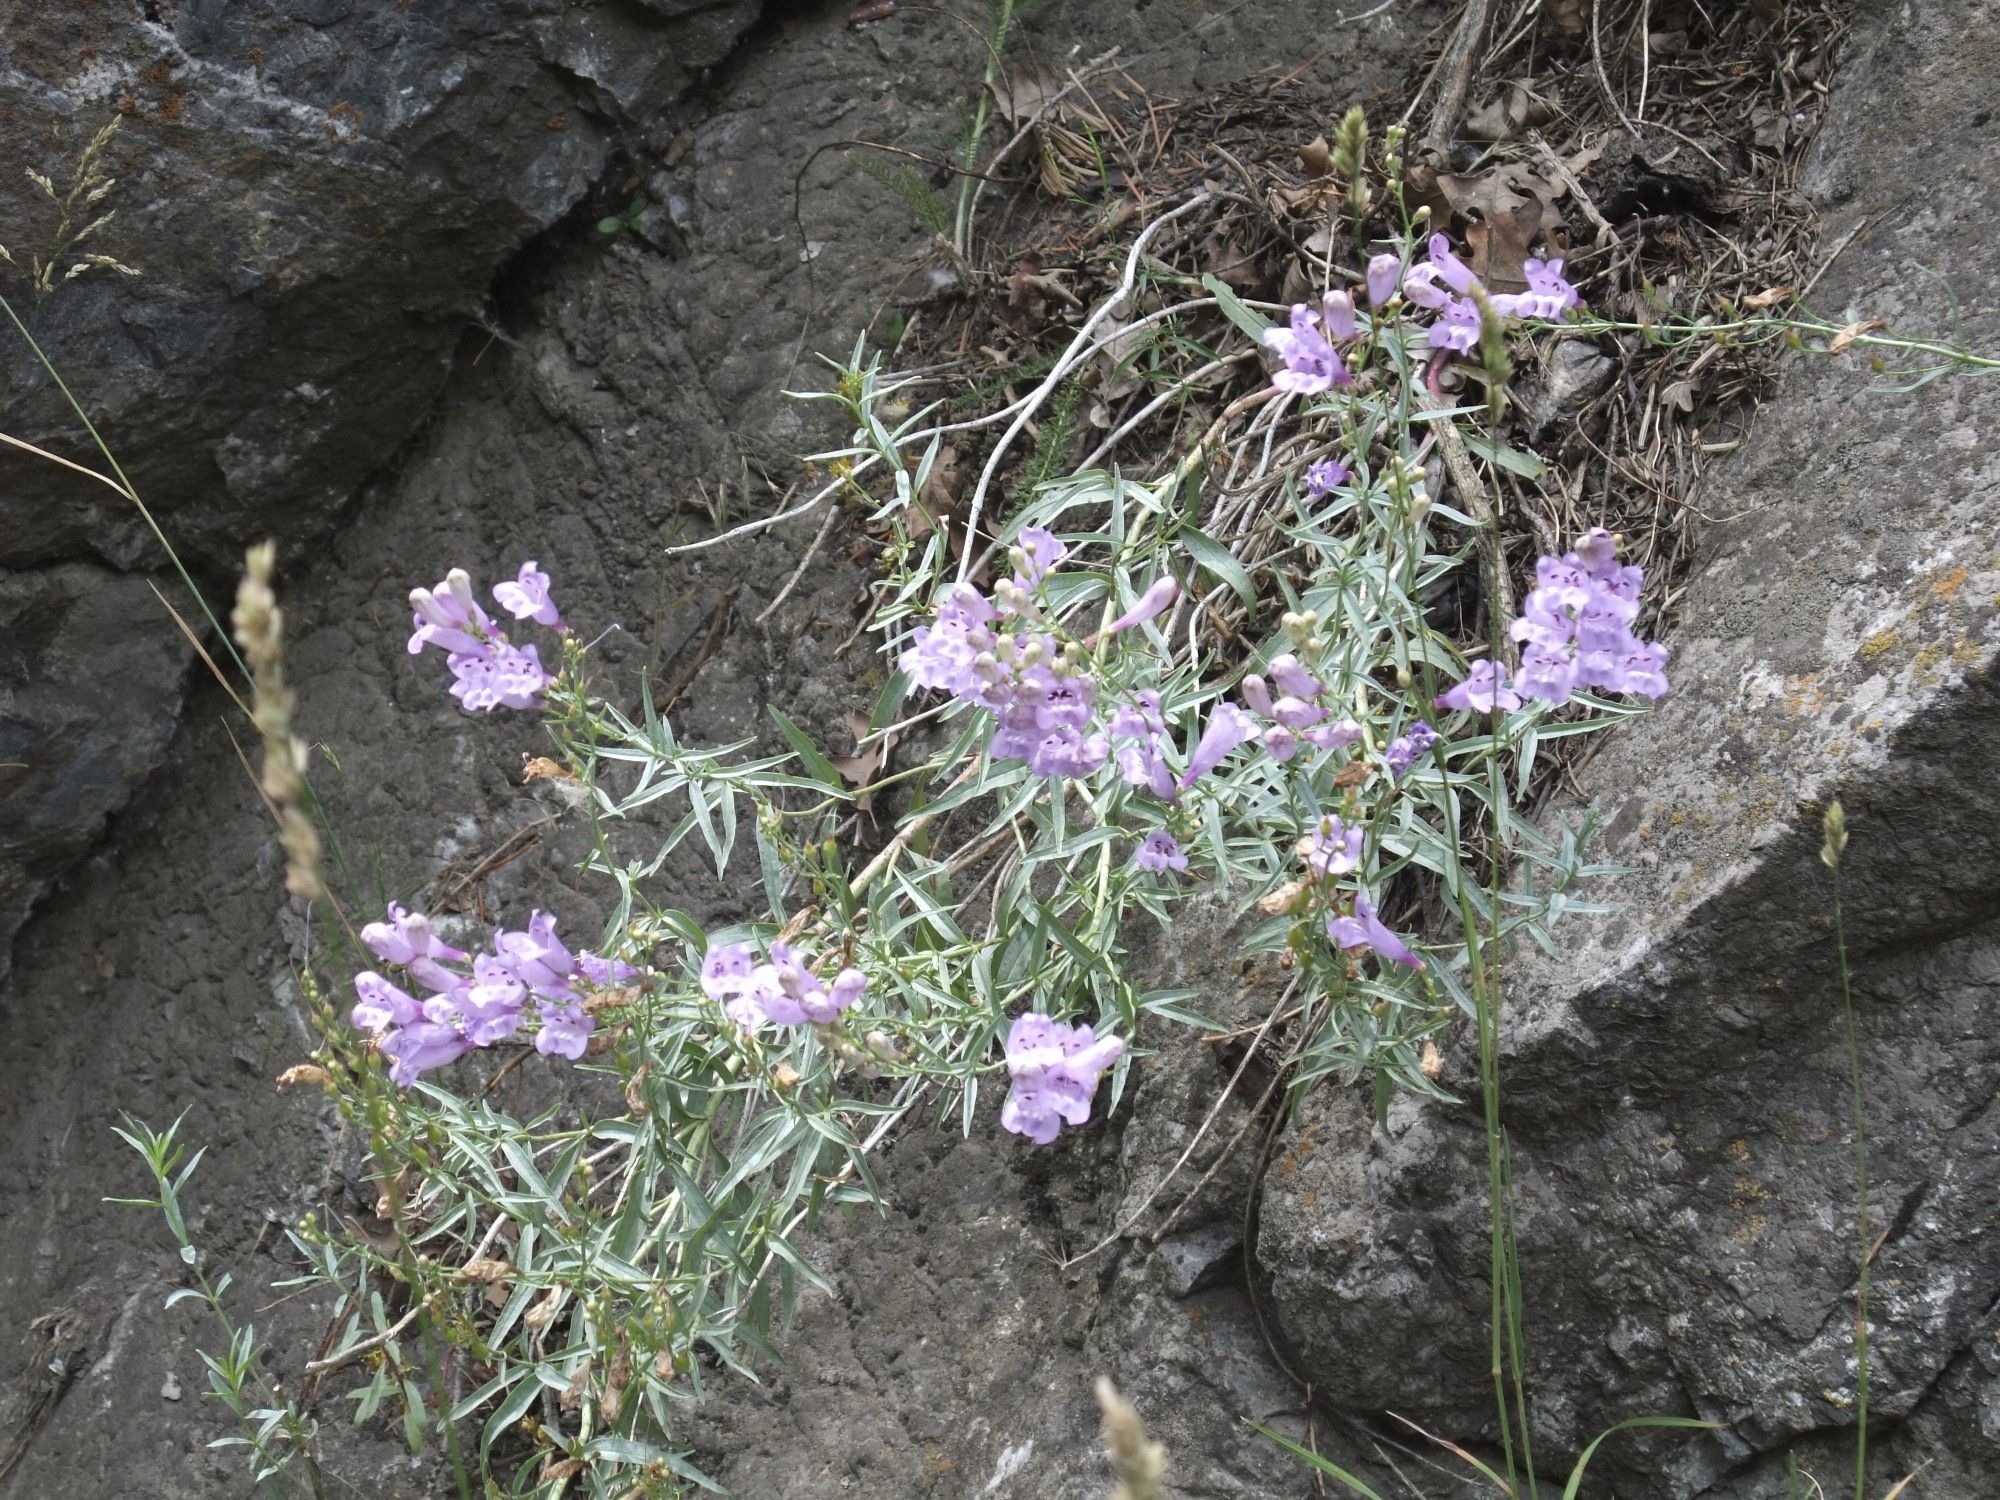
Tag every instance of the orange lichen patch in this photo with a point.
(1299, 1154)
(1948, 586)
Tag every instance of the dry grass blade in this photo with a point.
(200, 650)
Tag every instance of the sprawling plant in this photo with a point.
(1235, 675)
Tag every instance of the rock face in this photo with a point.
(1677, 1085)
(318, 194)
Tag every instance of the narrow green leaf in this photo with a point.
(1219, 560)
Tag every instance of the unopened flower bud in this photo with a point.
(1403, 678)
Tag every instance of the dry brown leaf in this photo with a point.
(1679, 395)
(1844, 340)
(544, 1311)
(861, 768)
(486, 1268)
(1769, 297)
(1430, 1062)
(307, 1073)
(541, 768)
(635, 1091)
(1024, 94)
(1587, 157)
(1498, 247)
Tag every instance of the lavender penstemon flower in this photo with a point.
(999, 654)
(463, 1011)
(1324, 475)
(1484, 689)
(1576, 627)
(1054, 1069)
(1408, 748)
(1160, 852)
(784, 990)
(1366, 932)
(489, 671)
(1306, 348)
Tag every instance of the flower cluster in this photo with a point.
(489, 671)
(462, 1011)
(1575, 632)
(993, 652)
(1054, 1069)
(1445, 285)
(783, 989)
(1297, 715)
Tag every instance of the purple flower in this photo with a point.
(1457, 326)
(1333, 736)
(449, 617)
(941, 657)
(1382, 274)
(1293, 679)
(1311, 364)
(1296, 713)
(536, 956)
(1054, 1069)
(1548, 673)
(1139, 718)
(381, 1005)
(1035, 553)
(500, 676)
(1279, 743)
(1485, 688)
(785, 990)
(1143, 765)
(1324, 475)
(406, 936)
(488, 1010)
(1157, 598)
(1364, 930)
(566, 1029)
(1228, 726)
(1406, 749)
(1576, 627)
(1549, 294)
(1331, 848)
(725, 971)
(1256, 694)
(604, 972)
(1067, 752)
(1058, 701)
(415, 1049)
(527, 597)
(1444, 284)
(1159, 853)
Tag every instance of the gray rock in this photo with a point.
(1677, 1085)
(319, 195)
(91, 674)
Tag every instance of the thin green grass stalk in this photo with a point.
(1835, 825)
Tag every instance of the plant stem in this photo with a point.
(1861, 1225)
